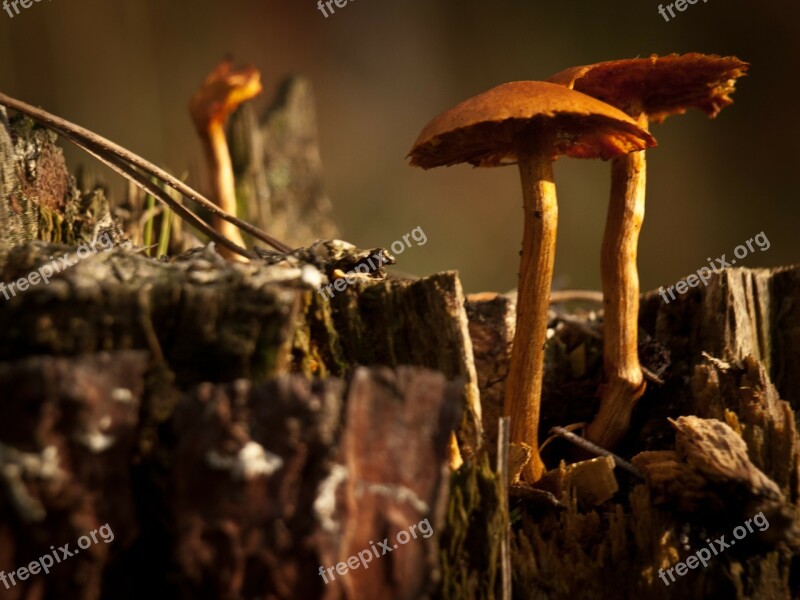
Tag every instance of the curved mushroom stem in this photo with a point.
(222, 182)
(523, 390)
(624, 379)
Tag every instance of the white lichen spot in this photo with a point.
(250, 462)
(311, 276)
(48, 467)
(254, 460)
(95, 440)
(325, 502)
(17, 466)
(718, 363)
(122, 395)
(42, 465)
(398, 493)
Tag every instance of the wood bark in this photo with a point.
(211, 364)
(724, 353)
(278, 167)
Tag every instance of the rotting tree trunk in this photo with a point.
(245, 476)
(38, 196)
(243, 485)
(727, 353)
(217, 417)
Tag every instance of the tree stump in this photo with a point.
(244, 436)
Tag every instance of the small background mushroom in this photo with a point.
(221, 93)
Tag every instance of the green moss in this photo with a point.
(472, 541)
(50, 225)
(316, 350)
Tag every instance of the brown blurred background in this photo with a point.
(383, 68)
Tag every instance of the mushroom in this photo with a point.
(530, 123)
(219, 95)
(649, 90)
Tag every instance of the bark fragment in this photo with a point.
(279, 170)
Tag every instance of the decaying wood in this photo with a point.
(710, 471)
(38, 196)
(405, 309)
(240, 490)
(238, 431)
(728, 352)
(236, 320)
(396, 479)
(491, 329)
(278, 167)
(742, 395)
(199, 319)
(19, 221)
(68, 433)
(591, 481)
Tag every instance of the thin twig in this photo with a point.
(559, 296)
(116, 164)
(583, 326)
(595, 449)
(502, 469)
(650, 376)
(107, 147)
(572, 427)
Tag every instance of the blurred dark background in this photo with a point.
(383, 68)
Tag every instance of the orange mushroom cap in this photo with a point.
(663, 86)
(222, 92)
(480, 131)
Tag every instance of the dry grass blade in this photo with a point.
(116, 164)
(502, 470)
(109, 149)
(595, 449)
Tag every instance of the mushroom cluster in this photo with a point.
(598, 111)
(530, 123)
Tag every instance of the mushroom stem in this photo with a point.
(523, 390)
(219, 161)
(624, 379)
